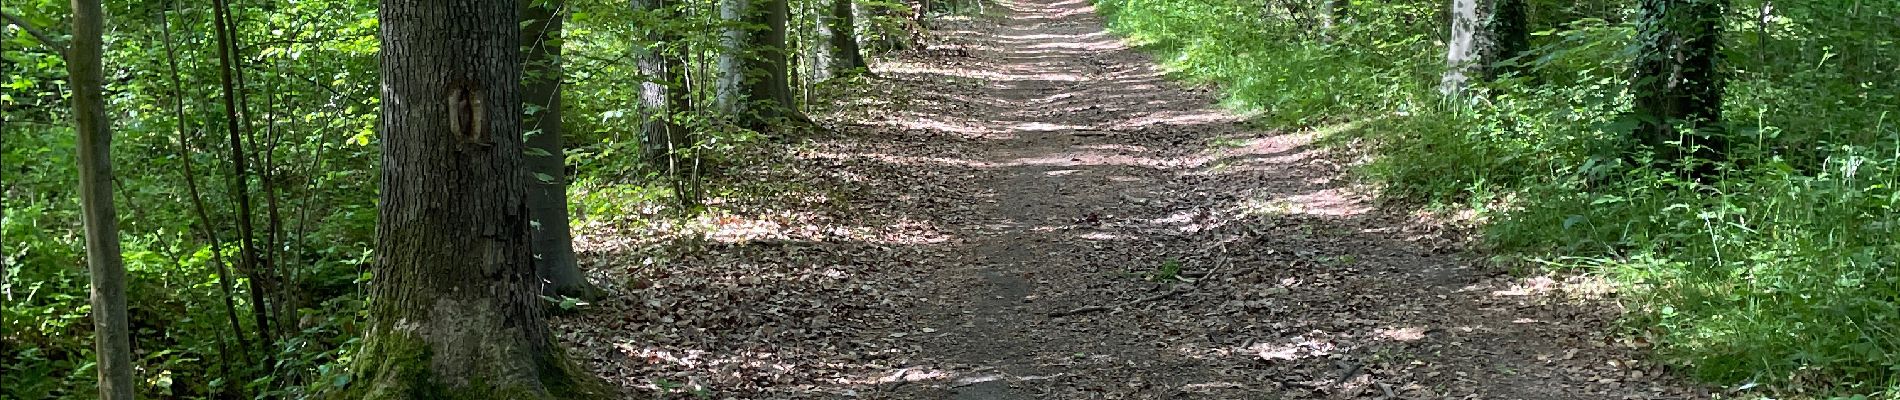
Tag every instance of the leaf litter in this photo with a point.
(940, 240)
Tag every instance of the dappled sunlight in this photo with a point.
(1329, 202)
(1045, 127)
(1039, 213)
(1406, 334)
(1201, 117)
(1295, 348)
(1075, 159)
(913, 161)
(1053, 37)
(1549, 287)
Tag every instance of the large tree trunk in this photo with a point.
(1676, 82)
(112, 339)
(662, 94)
(454, 308)
(547, 164)
(754, 76)
(774, 54)
(1509, 33)
(730, 94)
(1463, 50)
(839, 55)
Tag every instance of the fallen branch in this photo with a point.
(1084, 310)
(1178, 290)
(1388, 391)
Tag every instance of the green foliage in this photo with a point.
(1780, 271)
(1167, 271)
(310, 99)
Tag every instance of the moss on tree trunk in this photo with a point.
(455, 310)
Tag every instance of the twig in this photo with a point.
(56, 45)
(1347, 371)
(1190, 286)
(1171, 293)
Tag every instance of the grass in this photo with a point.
(1779, 276)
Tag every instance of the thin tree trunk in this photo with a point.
(197, 201)
(547, 163)
(112, 339)
(455, 309)
(1676, 81)
(662, 94)
(247, 252)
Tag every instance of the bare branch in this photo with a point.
(56, 45)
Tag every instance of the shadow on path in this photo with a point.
(1053, 169)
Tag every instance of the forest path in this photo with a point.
(1094, 181)
(1030, 165)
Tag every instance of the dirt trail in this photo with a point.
(1031, 165)
(1094, 176)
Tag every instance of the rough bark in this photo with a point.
(1464, 47)
(1676, 81)
(662, 93)
(112, 338)
(839, 55)
(547, 164)
(455, 311)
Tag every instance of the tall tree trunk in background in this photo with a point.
(547, 163)
(455, 310)
(776, 55)
(112, 336)
(1336, 12)
(730, 96)
(870, 35)
(754, 81)
(663, 92)
(1509, 33)
(839, 54)
(248, 261)
(1463, 50)
(198, 204)
(1676, 81)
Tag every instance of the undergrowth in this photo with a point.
(1777, 278)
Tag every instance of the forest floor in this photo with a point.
(1030, 209)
